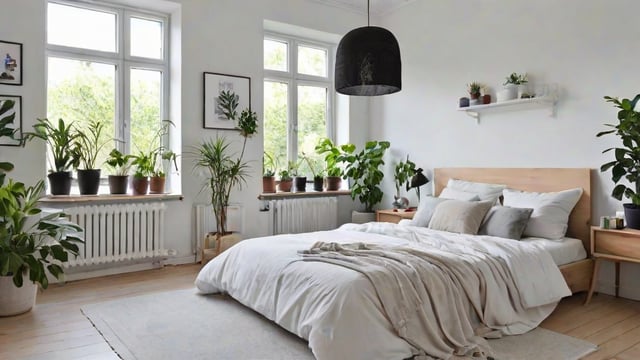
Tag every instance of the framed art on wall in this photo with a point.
(215, 83)
(11, 71)
(11, 111)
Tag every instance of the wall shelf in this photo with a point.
(543, 101)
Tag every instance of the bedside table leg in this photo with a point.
(617, 277)
(594, 277)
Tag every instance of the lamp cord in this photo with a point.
(368, 14)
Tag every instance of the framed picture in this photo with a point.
(215, 83)
(11, 107)
(11, 71)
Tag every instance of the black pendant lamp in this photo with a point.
(368, 62)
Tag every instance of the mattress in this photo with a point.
(563, 251)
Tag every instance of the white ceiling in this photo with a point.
(378, 7)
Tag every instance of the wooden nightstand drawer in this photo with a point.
(617, 243)
(393, 216)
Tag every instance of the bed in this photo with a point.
(342, 311)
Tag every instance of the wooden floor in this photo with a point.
(56, 329)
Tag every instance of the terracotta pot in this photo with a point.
(333, 183)
(60, 182)
(285, 185)
(118, 184)
(156, 185)
(140, 185)
(268, 184)
(16, 300)
(486, 99)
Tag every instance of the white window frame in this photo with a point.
(123, 61)
(292, 78)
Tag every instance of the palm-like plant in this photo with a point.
(60, 137)
(88, 144)
(225, 170)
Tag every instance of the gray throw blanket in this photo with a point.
(425, 294)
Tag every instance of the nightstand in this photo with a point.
(392, 216)
(613, 245)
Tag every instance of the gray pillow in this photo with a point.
(458, 216)
(425, 210)
(505, 222)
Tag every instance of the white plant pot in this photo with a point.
(14, 300)
(522, 89)
(507, 93)
(358, 217)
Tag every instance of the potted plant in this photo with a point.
(316, 171)
(31, 244)
(85, 150)
(402, 174)
(299, 180)
(160, 155)
(268, 173)
(627, 158)
(364, 170)
(59, 137)
(225, 169)
(286, 180)
(120, 165)
(334, 172)
(474, 92)
(514, 87)
(143, 169)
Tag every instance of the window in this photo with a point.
(298, 98)
(108, 64)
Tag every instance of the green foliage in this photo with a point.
(119, 163)
(143, 163)
(402, 174)
(151, 161)
(516, 79)
(87, 145)
(314, 166)
(6, 131)
(363, 168)
(268, 165)
(331, 156)
(60, 138)
(627, 158)
(474, 88)
(285, 175)
(225, 170)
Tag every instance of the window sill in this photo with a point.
(285, 195)
(83, 199)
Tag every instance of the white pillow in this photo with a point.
(484, 191)
(425, 210)
(550, 210)
(449, 193)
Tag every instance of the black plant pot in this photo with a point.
(632, 216)
(318, 182)
(300, 183)
(89, 181)
(60, 182)
(118, 184)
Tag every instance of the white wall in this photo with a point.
(587, 47)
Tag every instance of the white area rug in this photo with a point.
(184, 325)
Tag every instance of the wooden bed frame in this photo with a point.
(576, 274)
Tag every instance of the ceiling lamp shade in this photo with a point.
(368, 63)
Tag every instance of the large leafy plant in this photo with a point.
(225, 169)
(87, 145)
(402, 174)
(60, 137)
(627, 158)
(30, 242)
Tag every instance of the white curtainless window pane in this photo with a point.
(83, 91)
(146, 38)
(81, 28)
(146, 105)
(275, 55)
(312, 122)
(275, 121)
(312, 61)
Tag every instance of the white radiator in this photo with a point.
(118, 232)
(292, 216)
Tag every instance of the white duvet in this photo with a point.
(338, 310)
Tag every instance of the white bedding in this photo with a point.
(563, 251)
(338, 310)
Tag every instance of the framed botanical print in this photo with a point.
(11, 71)
(11, 117)
(215, 83)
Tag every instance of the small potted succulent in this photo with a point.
(474, 92)
(286, 181)
(514, 87)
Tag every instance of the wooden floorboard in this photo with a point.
(57, 329)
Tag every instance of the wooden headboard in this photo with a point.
(533, 179)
